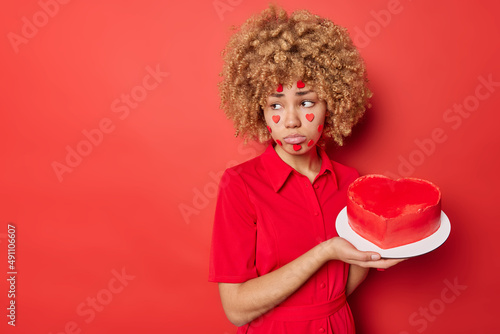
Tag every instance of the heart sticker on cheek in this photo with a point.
(311, 143)
(276, 118)
(296, 147)
(310, 117)
(269, 129)
(279, 142)
(320, 127)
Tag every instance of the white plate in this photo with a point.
(414, 249)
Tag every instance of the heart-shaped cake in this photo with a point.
(392, 213)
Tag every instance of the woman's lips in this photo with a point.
(294, 139)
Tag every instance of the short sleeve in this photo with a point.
(232, 253)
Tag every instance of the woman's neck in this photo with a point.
(308, 164)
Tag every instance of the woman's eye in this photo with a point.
(307, 104)
(275, 106)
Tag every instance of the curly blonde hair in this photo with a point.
(272, 48)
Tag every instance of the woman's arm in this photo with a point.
(357, 275)
(244, 302)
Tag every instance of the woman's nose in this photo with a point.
(292, 119)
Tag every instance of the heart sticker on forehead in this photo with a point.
(276, 118)
(310, 117)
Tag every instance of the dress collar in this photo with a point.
(279, 171)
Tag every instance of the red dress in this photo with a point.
(267, 215)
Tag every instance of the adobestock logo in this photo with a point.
(381, 20)
(30, 27)
(421, 318)
(121, 107)
(204, 194)
(454, 118)
(96, 304)
(223, 6)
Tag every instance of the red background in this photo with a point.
(121, 206)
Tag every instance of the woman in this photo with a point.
(293, 81)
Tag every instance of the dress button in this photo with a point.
(321, 330)
(316, 213)
(316, 186)
(322, 285)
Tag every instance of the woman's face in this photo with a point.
(295, 118)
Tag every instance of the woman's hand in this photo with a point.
(341, 249)
(244, 302)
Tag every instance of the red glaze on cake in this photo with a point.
(392, 213)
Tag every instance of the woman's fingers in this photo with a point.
(365, 256)
(348, 253)
(380, 264)
(387, 263)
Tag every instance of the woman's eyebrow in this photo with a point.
(297, 93)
